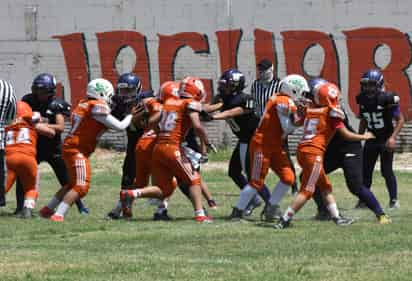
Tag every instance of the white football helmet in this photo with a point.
(100, 89)
(294, 85)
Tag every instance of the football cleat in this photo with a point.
(342, 221)
(26, 213)
(212, 204)
(236, 214)
(163, 216)
(394, 204)
(384, 219)
(46, 212)
(57, 218)
(270, 213)
(282, 224)
(254, 203)
(112, 216)
(82, 208)
(203, 219)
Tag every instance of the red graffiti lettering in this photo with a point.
(265, 48)
(362, 44)
(169, 45)
(110, 44)
(296, 43)
(228, 44)
(75, 56)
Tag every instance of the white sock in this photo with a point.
(278, 193)
(116, 210)
(289, 213)
(200, 213)
(53, 203)
(62, 209)
(333, 210)
(29, 203)
(245, 196)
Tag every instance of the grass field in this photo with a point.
(92, 248)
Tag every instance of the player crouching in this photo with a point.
(323, 118)
(90, 119)
(21, 139)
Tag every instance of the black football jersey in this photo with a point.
(48, 110)
(378, 111)
(338, 143)
(243, 126)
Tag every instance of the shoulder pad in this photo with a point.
(194, 105)
(60, 106)
(100, 109)
(336, 113)
(389, 99)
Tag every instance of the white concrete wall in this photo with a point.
(27, 47)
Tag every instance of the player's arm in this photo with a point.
(212, 107)
(399, 122)
(230, 113)
(59, 126)
(350, 136)
(44, 130)
(101, 113)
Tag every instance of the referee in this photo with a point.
(262, 89)
(7, 115)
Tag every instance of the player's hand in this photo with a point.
(368, 136)
(391, 144)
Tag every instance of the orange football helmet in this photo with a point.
(192, 87)
(169, 90)
(327, 94)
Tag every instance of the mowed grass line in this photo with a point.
(91, 248)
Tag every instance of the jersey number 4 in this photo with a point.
(374, 119)
(23, 136)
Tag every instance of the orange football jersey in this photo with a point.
(21, 137)
(269, 132)
(320, 126)
(85, 130)
(175, 120)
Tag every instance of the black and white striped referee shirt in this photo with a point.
(7, 108)
(261, 92)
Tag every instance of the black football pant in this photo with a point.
(239, 161)
(129, 163)
(372, 150)
(59, 169)
(351, 163)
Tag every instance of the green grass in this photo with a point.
(91, 248)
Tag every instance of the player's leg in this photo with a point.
(370, 156)
(235, 168)
(312, 168)
(27, 172)
(80, 174)
(352, 171)
(259, 167)
(129, 168)
(332, 161)
(386, 158)
(60, 170)
(281, 165)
